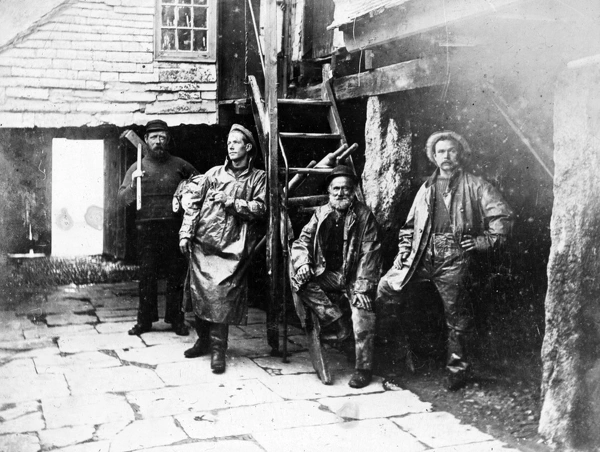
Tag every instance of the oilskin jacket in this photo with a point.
(223, 237)
(361, 266)
(476, 209)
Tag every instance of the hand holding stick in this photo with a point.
(139, 179)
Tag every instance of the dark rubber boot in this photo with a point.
(202, 345)
(219, 333)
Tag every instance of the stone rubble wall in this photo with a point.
(92, 63)
(570, 416)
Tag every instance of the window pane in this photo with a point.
(199, 2)
(200, 18)
(168, 16)
(185, 39)
(199, 40)
(185, 2)
(184, 17)
(168, 40)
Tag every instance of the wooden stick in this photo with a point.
(139, 179)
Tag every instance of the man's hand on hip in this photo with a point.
(185, 246)
(401, 259)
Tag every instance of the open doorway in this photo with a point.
(77, 197)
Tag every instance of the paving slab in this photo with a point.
(489, 446)
(300, 363)
(221, 445)
(53, 306)
(256, 347)
(70, 319)
(440, 429)
(197, 370)
(55, 364)
(18, 368)
(24, 388)
(90, 409)
(384, 404)
(115, 379)
(24, 345)
(66, 436)
(147, 433)
(257, 418)
(101, 446)
(88, 343)
(200, 397)
(43, 331)
(19, 442)
(109, 315)
(301, 387)
(51, 350)
(109, 301)
(157, 354)
(113, 327)
(21, 417)
(166, 336)
(109, 430)
(356, 436)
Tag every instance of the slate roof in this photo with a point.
(18, 17)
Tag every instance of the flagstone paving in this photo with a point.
(73, 380)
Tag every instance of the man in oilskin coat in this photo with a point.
(157, 226)
(454, 215)
(221, 226)
(337, 259)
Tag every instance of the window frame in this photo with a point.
(209, 56)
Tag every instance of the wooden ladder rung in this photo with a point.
(308, 201)
(307, 102)
(306, 170)
(313, 136)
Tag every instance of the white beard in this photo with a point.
(340, 204)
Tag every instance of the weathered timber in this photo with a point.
(311, 136)
(415, 17)
(308, 201)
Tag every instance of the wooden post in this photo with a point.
(138, 181)
(273, 240)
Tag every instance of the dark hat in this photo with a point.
(342, 170)
(246, 133)
(156, 125)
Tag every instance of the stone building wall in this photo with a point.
(570, 416)
(92, 63)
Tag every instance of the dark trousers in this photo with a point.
(446, 266)
(317, 294)
(159, 257)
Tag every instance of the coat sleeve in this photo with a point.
(127, 192)
(192, 198)
(497, 216)
(406, 233)
(254, 208)
(303, 248)
(369, 261)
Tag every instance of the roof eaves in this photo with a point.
(371, 9)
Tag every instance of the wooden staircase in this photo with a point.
(311, 143)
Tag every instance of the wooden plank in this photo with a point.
(305, 102)
(311, 136)
(403, 76)
(415, 17)
(273, 241)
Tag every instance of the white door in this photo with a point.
(77, 197)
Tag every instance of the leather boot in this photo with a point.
(218, 344)
(202, 345)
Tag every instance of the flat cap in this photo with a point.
(156, 125)
(246, 133)
(342, 170)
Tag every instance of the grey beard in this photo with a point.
(342, 204)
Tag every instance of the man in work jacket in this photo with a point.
(223, 209)
(454, 215)
(337, 259)
(157, 226)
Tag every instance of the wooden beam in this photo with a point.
(415, 17)
(390, 79)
